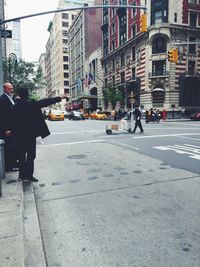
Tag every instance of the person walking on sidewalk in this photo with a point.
(137, 114)
(6, 103)
(28, 124)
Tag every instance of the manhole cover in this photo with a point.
(76, 156)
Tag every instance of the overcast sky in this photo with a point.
(34, 32)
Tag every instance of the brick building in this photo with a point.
(138, 61)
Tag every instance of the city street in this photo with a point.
(120, 199)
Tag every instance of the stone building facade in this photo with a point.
(138, 61)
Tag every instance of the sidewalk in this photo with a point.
(20, 239)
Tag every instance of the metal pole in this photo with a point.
(2, 163)
(1, 64)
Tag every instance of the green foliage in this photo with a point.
(112, 94)
(23, 74)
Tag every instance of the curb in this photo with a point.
(33, 246)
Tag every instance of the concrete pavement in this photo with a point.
(20, 239)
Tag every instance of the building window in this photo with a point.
(122, 75)
(64, 33)
(133, 30)
(122, 29)
(66, 66)
(159, 68)
(66, 75)
(133, 53)
(113, 45)
(133, 73)
(65, 16)
(73, 16)
(122, 59)
(113, 28)
(66, 83)
(65, 58)
(192, 47)
(193, 1)
(191, 67)
(65, 41)
(113, 64)
(65, 49)
(175, 17)
(65, 24)
(123, 2)
(158, 17)
(106, 68)
(133, 10)
(113, 79)
(159, 11)
(159, 45)
(158, 97)
(193, 19)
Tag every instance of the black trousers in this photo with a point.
(138, 124)
(26, 155)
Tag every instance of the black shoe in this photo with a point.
(33, 179)
(141, 131)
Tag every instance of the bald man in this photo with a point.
(6, 103)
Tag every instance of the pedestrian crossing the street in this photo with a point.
(192, 151)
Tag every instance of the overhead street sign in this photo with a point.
(6, 34)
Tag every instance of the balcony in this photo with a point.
(158, 73)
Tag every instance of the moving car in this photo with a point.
(195, 116)
(56, 115)
(76, 115)
(98, 115)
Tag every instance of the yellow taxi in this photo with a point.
(56, 115)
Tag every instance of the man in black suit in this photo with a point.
(6, 103)
(28, 124)
(137, 114)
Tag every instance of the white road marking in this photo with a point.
(73, 143)
(122, 144)
(192, 150)
(164, 135)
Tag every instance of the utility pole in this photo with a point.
(2, 22)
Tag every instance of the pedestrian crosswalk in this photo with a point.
(192, 151)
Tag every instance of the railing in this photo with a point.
(158, 73)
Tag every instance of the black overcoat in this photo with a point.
(28, 120)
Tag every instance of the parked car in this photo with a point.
(56, 115)
(76, 115)
(195, 117)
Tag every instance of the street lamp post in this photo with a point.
(12, 59)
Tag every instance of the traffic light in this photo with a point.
(143, 23)
(173, 55)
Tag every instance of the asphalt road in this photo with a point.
(120, 199)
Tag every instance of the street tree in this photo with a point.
(23, 74)
(112, 94)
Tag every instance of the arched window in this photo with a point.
(159, 45)
(158, 97)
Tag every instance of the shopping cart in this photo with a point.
(126, 124)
